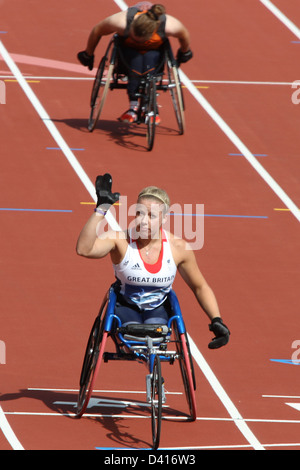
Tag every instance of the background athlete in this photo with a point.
(142, 29)
(145, 259)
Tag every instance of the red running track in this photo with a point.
(248, 393)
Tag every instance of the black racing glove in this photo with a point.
(105, 198)
(221, 333)
(183, 57)
(86, 59)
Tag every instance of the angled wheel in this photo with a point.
(187, 371)
(176, 95)
(151, 110)
(101, 86)
(92, 360)
(156, 402)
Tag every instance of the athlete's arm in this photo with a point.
(190, 272)
(90, 245)
(93, 241)
(112, 24)
(176, 29)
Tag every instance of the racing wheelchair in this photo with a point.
(146, 343)
(113, 73)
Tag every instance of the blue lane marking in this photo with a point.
(286, 361)
(172, 214)
(295, 42)
(32, 210)
(222, 215)
(58, 148)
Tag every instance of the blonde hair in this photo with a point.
(156, 193)
(145, 25)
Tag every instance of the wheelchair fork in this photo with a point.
(153, 352)
(148, 389)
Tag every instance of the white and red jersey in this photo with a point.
(146, 285)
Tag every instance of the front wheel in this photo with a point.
(151, 110)
(156, 402)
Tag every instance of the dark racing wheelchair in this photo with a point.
(112, 74)
(146, 343)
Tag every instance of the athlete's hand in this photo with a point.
(86, 59)
(105, 198)
(221, 333)
(183, 57)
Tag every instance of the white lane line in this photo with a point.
(239, 82)
(213, 82)
(175, 417)
(99, 391)
(8, 432)
(94, 415)
(284, 19)
(121, 4)
(44, 77)
(53, 131)
(241, 146)
(226, 401)
(281, 396)
(238, 446)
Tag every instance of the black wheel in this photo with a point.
(151, 110)
(176, 95)
(99, 92)
(156, 402)
(187, 370)
(91, 363)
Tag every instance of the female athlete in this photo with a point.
(145, 259)
(142, 29)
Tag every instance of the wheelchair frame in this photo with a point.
(143, 343)
(112, 74)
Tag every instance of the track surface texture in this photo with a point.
(239, 157)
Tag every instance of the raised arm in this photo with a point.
(90, 244)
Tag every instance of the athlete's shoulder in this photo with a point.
(179, 247)
(175, 241)
(179, 243)
(173, 25)
(117, 21)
